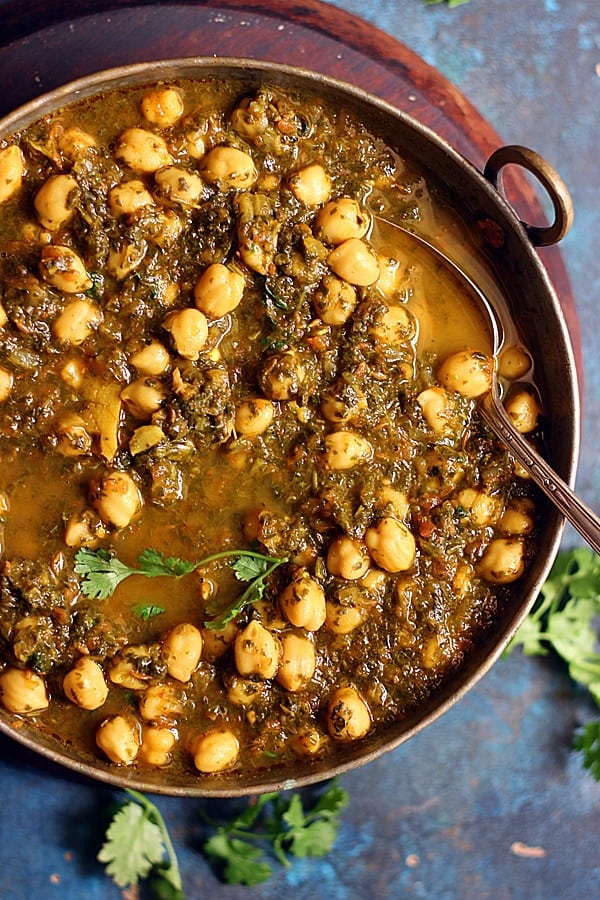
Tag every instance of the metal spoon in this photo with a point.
(583, 519)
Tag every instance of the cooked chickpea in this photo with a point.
(518, 517)
(345, 450)
(348, 716)
(23, 691)
(311, 185)
(116, 498)
(391, 545)
(63, 269)
(524, 410)
(502, 561)
(160, 701)
(73, 141)
(129, 197)
(167, 225)
(73, 372)
(282, 375)
(340, 220)
(181, 650)
(393, 325)
(194, 143)
(270, 615)
(347, 558)
(249, 118)
(119, 738)
(335, 300)
(142, 150)
(216, 751)
(72, 436)
(467, 372)
(77, 322)
(156, 747)
(216, 643)
(374, 582)
(243, 691)
(228, 167)
(393, 501)
(143, 397)
(6, 383)
(436, 407)
(189, 330)
(177, 185)
(303, 602)
(128, 667)
(256, 652)
(483, 508)
(343, 619)
(85, 684)
(344, 402)
(54, 202)
(390, 275)
(12, 171)
(84, 529)
(153, 359)
(124, 259)
(514, 362)
(354, 262)
(298, 662)
(219, 290)
(462, 581)
(163, 106)
(253, 417)
(308, 743)
(432, 653)
(145, 437)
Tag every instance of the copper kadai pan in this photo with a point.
(503, 261)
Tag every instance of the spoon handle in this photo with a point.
(575, 511)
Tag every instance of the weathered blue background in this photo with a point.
(440, 816)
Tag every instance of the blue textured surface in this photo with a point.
(443, 816)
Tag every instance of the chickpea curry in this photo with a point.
(211, 371)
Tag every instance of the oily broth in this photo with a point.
(448, 317)
(416, 626)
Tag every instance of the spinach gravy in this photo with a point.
(212, 370)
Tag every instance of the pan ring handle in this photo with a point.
(548, 178)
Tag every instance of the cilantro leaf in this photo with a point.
(102, 572)
(588, 742)
(138, 844)
(133, 846)
(239, 862)
(147, 611)
(153, 563)
(283, 825)
(564, 620)
(247, 568)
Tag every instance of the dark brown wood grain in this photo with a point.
(45, 43)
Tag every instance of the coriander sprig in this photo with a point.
(564, 620)
(102, 572)
(279, 822)
(138, 845)
(563, 617)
